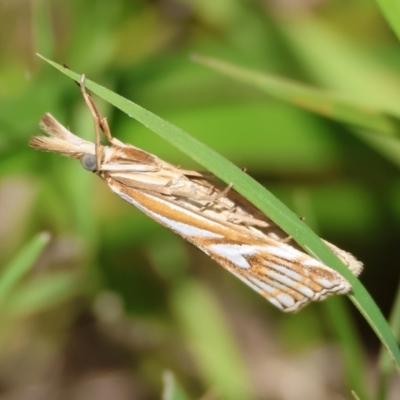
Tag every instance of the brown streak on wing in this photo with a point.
(283, 293)
(130, 154)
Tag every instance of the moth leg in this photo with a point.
(287, 239)
(245, 220)
(290, 238)
(219, 195)
(106, 129)
(224, 192)
(97, 119)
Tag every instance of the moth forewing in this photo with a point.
(347, 259)
(218, 221)
(285, 276)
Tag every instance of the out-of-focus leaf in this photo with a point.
(210, 341)
(42, 294)
(391, 11)
(172, 390)
(24, 260)
(319, 101)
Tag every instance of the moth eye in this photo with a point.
(88, 162)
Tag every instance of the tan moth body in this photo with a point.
(218, 221)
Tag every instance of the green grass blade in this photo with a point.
(210, 340)
(259, 196)
(43, 294)
(172, 390)
(380, 129)
(318, 101)
(13, 272)
(342, 325)
(391, 11)
(385, 366)
(336, 61)
(355, 395)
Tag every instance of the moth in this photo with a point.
(217, 220)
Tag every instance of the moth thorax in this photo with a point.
(89, 162)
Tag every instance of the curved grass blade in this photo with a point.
(385, 366)
(391, 11)
(318, 101)
(171, 389)
(258, 195)
(13, 272)
(43, 294)
(342, 325)
(210, 340)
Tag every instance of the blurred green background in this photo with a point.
(112, 301)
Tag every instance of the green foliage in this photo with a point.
(310, 108)
(172, 390)
(259, 196)
(13, 272)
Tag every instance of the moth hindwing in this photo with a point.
(217, 220)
